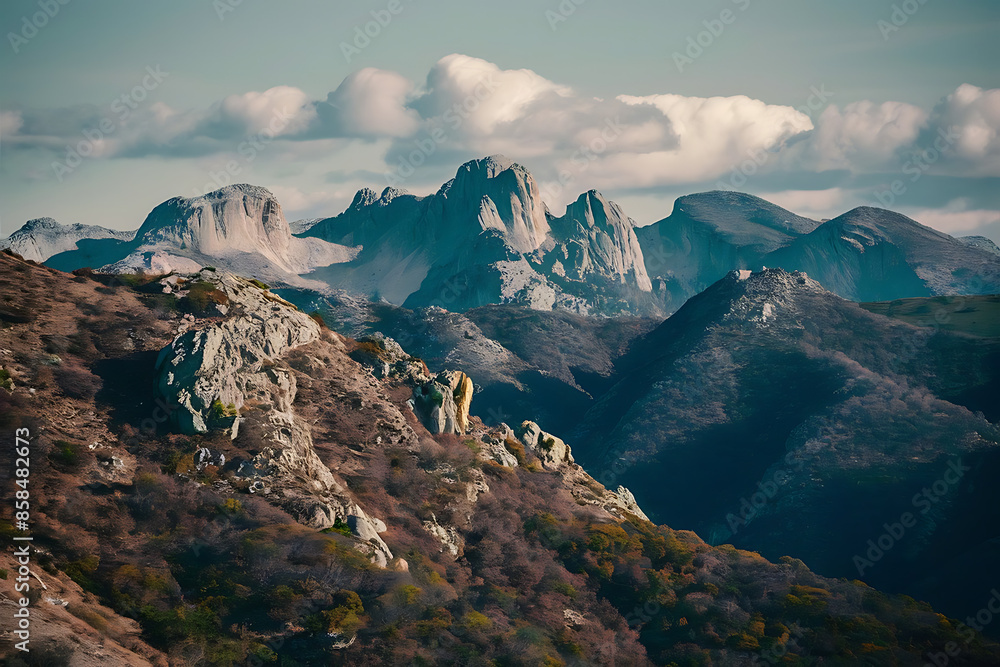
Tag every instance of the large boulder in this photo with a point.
(552, 451)
(442, 404)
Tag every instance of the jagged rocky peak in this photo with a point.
(503, 195)
(41, 223)
(599, 237)
(364, 197)
(391, 193)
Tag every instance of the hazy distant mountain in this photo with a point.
(486, 238)
(241, 227)
(870, 254)
(709, 234)
(867, 254)
(42, 238)
(768, 389)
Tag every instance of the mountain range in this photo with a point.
(486, 237)
(734, 369)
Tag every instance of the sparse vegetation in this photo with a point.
(202, 296)
(318, 318)
(6, 379)
(340, 528)
(218, 412)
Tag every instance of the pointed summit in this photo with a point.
(600, 238)
(513, 193)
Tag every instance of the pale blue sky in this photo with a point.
(774, 51)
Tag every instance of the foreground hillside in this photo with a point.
(220, 480)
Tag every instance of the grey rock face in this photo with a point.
(238, 360)
(230, 361)
(443, 403)
(240, 228)
(486, 237)
(551, 450)
(981, 242)
(596, 237)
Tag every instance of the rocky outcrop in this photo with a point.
(205, 371)
(451, 540)
(224, 366)
(628, 502)
(552, 451)
(443, 403)
(385, 358)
